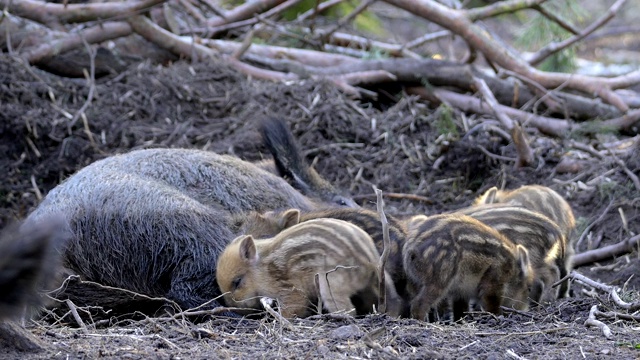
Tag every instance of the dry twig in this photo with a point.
(611, 290)
(592, 321)
(382, 304)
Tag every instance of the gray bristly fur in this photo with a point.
(28, 261)
(154, 221)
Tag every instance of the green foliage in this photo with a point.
(444, 121)
(540, 31)
(607, 190)
(376, 54)
(592, 127)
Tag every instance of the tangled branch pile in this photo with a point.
(515, 92)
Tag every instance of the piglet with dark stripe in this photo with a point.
(547, 202)
(284, 268)
(455, 258)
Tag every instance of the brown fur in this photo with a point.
(284, 268)
(547, 202)
(541, 236)
(270, 223)
(456, 258)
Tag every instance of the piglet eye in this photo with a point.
(236, 283)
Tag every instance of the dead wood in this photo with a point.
(103, 302)
(54, 15)
(386, 250)
(606, 252)
(459, 23)
(15, 337)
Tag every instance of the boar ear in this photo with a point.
(414, 222)
(489, 197)
(289, 218)
(248, 251)
(523, 260)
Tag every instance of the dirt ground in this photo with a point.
(354, 144)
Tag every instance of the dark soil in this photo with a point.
(355, 145)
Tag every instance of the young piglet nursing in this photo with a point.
(455, 258)
(284, 268)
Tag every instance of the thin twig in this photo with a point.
(412, 197)
(76, 316)
(386, 249)
(591, 321)
(92, 86)
(611, 290)
(266, 304)
(553, 48)
(626, 170)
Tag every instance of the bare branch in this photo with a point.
(557, 19)
(49, 13)
(186, 47)
(245, 11)
(386, 249)
(320, 7)
(553, 48)
(95, 34)
(213, 30)
(460, 24)
(551, 126)
(500, 8)
(611, 290)
(591, 321)
(606, 252)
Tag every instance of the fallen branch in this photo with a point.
(550, 126)
(611, 290)
(458, 22)
(76, 316)
(606, 252)
(96, 34)
(616, 315)
(525, 154)
(53, 15)
(591, 321)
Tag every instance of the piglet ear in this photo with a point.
(248, 251)
(414, 222)
(489, 197)
(289, 218)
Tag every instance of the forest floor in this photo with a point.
(401, 145)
